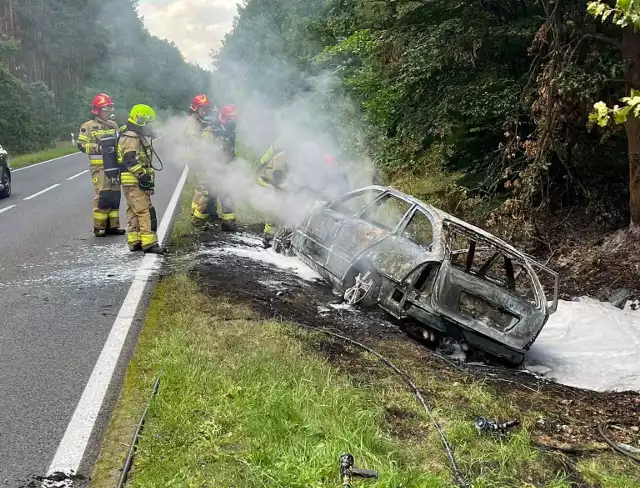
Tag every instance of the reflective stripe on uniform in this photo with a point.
(228, 216)
(135, 168)
(269, 229)
(114, 214)
(99, 215)
(263, 182)
(199, 215)
(133, 237)
(148, 239)
(127, 178)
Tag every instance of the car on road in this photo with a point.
(5, 174)
(377, 245)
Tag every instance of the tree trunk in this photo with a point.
(631, 52)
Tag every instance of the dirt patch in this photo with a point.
(571, 415)
(590, 262)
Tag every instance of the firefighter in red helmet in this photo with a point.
(224, 126)
(106, 199)
(198, 133)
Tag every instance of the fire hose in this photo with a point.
(134, 441)
(455, 470)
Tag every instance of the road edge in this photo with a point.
(72, 448)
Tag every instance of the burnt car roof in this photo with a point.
(448, 217)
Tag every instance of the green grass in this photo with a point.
(246, 402)
(243, 403)
(251, 403)
(61, 149)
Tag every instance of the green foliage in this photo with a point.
(76, 50)
(625, 12)
(498, 91)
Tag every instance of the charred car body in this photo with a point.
(380, 246)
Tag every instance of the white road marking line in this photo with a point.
(76, 438)
(75, 176)
(6, 208)
(41, 191)
(44, 162)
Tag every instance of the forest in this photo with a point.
(485, 107)
(55, 55)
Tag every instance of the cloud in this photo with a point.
(196, 26)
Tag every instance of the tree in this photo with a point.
(626, 15)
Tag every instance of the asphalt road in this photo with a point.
(60, 290)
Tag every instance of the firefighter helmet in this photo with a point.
(141, 115)
(101, 101)
(330, 160)
(227, 113)
(200, 101)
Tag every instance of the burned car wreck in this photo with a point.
(377, 245)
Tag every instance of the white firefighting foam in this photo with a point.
(251, 247)
(589, 344)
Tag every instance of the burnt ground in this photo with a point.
(570, 417)
(591, 262)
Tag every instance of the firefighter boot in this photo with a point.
(229, 225)
(155, 249)
(116, 232)
(266, 240)
(99, 232)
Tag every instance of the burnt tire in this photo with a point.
(362, 285)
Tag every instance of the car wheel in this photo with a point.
(362, 286)
(282, 241)
(6, 184)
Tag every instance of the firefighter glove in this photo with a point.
(144, 181)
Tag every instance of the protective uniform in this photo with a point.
(106, 190)
(138, 180)
(201, 133)
(224, 130)
(273, 173)
(198, 133)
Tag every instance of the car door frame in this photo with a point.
(400, 283)
(328, 245)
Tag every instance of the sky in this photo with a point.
(195, 26)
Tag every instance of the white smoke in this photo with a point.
(318, 115)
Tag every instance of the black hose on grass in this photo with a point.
(601, 428)
(457, 474)
(134, 441)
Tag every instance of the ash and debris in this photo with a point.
(56, 480)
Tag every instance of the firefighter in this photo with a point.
(138, 180)
(274, 174)
(224, 126)
(199, 134)
(106, 189)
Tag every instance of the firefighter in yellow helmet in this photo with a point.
(106, 186)
(138, 179)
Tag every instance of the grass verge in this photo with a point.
(61, 149)
(247, 402)
(250, 403)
